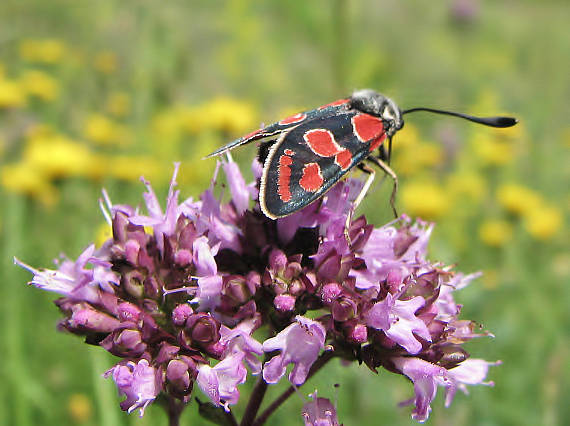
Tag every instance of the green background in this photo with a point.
(272, 58)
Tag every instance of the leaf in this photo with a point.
(215, 414)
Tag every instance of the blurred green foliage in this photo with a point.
(95, 94)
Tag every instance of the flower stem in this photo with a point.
(254, 402)
(319, 363)
(174, 410)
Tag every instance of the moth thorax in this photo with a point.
(376, 104)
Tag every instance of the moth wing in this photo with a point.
(308, 160)
(282, 125)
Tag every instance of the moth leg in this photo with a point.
(386, 168)
(371, 174)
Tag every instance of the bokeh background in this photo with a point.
(96, 94)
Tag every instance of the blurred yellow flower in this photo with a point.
(118, 104)
(12, 94)
(223, 114)
(132, 168)
(412, 160)
(495, 233)
(103, 131)
(491, 149)
(48, 51)
(408, 137)
(518, 199)
(424, 199)
(543, 222)
(39, 84)
(103, 233)
(166, 125)
(80, 408)
(57, 156)
(468, 186)
(24, 178)
(106, 62)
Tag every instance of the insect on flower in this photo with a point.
(305, 154)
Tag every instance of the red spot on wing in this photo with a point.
(297, 118)
(367, 127)
(284, 178)
(377, 142)
(289, 152)
(312, 178)
(251, 135)
(321, 142)
(343, 159)
(335, 103)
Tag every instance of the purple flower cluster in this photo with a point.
(178, 294)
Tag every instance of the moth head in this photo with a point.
(374, 103)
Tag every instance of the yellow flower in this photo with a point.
(414, 159)
(23, 178)
(40, 84)
(468, 186)
(106, 62)
(518, 199)
(80, 408)
(103, 233)
(57, 156)
(408, 137)
(495, 233)
(12, 95)
(492, 150)
(103, 131)
(223, 114)
(424, 199)
(131, 168)
(49, 51)
(118, 104)
(543, 222)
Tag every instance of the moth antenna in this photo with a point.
(498, 121)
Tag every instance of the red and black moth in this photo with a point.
(305, 154)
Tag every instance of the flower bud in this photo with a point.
(203, 328)
(183, 257)
(284, 302)
(132, 248)
(330, 292)
(130, 341)
(357, 333)
(277, 260)
(89, 319)
(343, 309)
(236, 287)
(129, 312)
(178, 377)
(181, 313)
